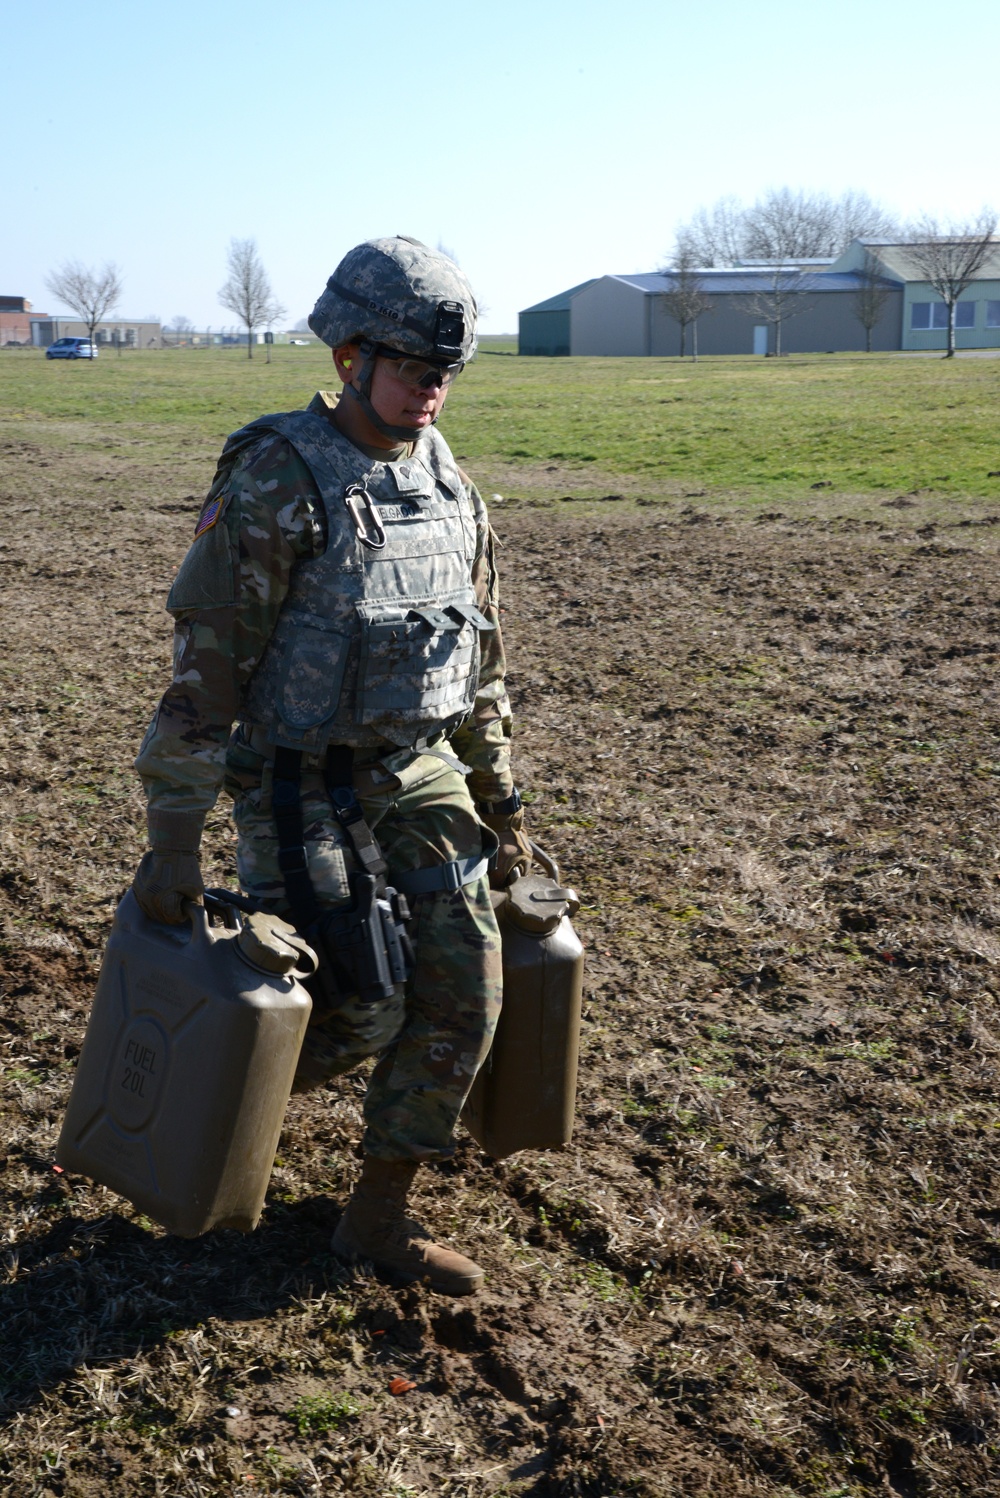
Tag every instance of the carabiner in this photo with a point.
(351, 497)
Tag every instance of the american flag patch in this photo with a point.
(209, 516)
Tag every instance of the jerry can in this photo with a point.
(525, 1093)
(187, 1064)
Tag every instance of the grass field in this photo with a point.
(758, 725)
(751, 430)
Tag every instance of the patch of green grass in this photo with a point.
(318, 1414)
(742, 425)
(884, 1349)
(21, 1074)
(714, 1083)
(912, 1410)
(873, 1050)
(602, 1283)
(872, 1346)
(752, 428)
(151, 1420)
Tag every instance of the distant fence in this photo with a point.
(225, 338)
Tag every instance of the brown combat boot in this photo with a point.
(375, 1226)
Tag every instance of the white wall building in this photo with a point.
(123, 331)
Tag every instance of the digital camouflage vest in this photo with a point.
(378, 639)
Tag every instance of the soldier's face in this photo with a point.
(404, 405)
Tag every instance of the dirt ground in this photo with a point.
(766, 751)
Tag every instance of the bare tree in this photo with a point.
(857, 216)
(948, 256)
(713, 237)
(247, 290)
(686, 299)
(91, 294)
(782, 298)
(781, 225)
(871, 296)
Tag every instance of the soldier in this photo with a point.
(339, 605)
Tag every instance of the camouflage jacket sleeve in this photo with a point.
(225, 600)
(483, 741)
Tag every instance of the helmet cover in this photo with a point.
(401, 294)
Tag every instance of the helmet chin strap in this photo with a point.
(361, 392)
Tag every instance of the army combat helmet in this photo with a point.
(397, 297)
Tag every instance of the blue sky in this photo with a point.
(542, 142)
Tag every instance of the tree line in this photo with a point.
(94, 292)
(784, 228)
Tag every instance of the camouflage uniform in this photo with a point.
(262, 516)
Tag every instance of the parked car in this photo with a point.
(71, 348)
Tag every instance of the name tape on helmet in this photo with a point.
(389, 312)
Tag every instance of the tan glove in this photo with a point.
(514, 853)
(170, 872)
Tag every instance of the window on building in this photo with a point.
(993, 314)
(924, 315)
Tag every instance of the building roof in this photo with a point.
(898, 263)
(105, 322)
(799, 262)
(748, 281)
(559, 302)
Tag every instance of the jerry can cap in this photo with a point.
(537, 903)
(270, 944)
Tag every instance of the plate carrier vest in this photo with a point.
(376, 641)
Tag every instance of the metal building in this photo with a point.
(545, 328)
(628, 315)
(815, 306)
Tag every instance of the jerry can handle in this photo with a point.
(214, 905)
(548, 864)
(200, 917)
(226, 902)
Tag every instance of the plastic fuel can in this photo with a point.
(524, 1096)
(187, 1064)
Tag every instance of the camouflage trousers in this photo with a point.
(433, 1035)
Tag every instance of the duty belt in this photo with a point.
(337, 771)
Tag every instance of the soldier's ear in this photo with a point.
(345, 359)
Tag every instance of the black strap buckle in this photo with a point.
(293, 860)
(505, 808)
